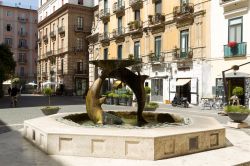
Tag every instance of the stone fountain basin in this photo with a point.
(56, 138)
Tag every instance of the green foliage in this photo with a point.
(236, 109)
(116, 95)
(238, 91)
(124, 95)
(50, 108)
(47, 91)
(7, 63)
(147, 90)
(152, 105)
(130, 56)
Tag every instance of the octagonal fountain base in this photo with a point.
(56, 138)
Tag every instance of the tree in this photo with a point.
(7, 65)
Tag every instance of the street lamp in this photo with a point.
(234, 68)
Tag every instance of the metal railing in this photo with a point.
(239, 50)
(22, 19)
(118, 6)
(183, 53)
(104, 13)
(104, 36)
(186, 8)
(156, 19)
(134, 25)
(61, 29)
(22, 34)
(52, 34)
(118, 32)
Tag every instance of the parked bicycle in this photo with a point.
(215, 103)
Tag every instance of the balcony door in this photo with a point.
(119, 52)
(184, 43)
(137, 15)
(235, 30)
(105, 6)
(105, 53)
(137, 50)
(119, 3)
(157, 46)
(119, 25)
(158, 6)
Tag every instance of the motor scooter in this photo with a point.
(180, 102)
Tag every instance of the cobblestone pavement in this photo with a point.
(29, 107)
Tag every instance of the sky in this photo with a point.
(21, 3)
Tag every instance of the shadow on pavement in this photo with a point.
(34, 101)
(16, 151)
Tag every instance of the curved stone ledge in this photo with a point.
(57, 138)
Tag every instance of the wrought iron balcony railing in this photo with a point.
(119, 8)
(52, 34)
(61, 29)
(239, 50)
(187, 8)
(22, 34)
(104, 14)
(118, 32)
(186, 53)
(136, 4)
(156, 19)
(22, 19)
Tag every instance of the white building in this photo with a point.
(47, 7)
(229, 46)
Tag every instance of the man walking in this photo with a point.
(13, 94)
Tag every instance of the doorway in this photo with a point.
(184, 91)
(232, 83)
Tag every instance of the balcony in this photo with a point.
(22, 19)
(45, 38)
(185, 54)
(153, 58)
(61, 30)
(52, 35)
(119, 8)
(119, 34)
(105, 15)
(183, 15)
(135, 29)
(23, 46)
(22, 61)
(44, 74)
(77, 49)
(39, 40)
(93, 38)
(22, 34)
(136, 4)
(104, 39)
(238, 51)
(49, 53)
(157, 23)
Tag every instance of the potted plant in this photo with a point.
(130, 56)
(130, 97)
(237, 113)
(151, 106)
(123, 99)
(110, 98)
(175, 52)
(232, 44)
(116, 99)
(237, 93)
(49, 110)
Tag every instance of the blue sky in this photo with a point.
(21, 3)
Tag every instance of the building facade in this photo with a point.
(170, 37)
(229, 47)
(63, 49)
(19, 31)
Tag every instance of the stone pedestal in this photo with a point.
(237, 125)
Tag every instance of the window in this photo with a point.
(119, 52)
(105, 6)
(184, 2)
(106, 30)
(137, 50)
(62, 44)
(54, 8)
(79, 43)
(137, 15)
(119, 25)
(79, 67)
(184, 43)
(158, 46)
(22, 43)
(21, 57)
(22, 29)
(8, 41)
(158, 6)
(105, 53)
(46, 68)
(8, 27)
(8, 13)
(80, 2)
(46, 14)
(41, 2)
(46, 31)
(62, 22)
(235, 30)
(62, 2)
(120, 3)
(21, 71)
(79, 22)
(62, 65)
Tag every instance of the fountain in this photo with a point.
(102, 134)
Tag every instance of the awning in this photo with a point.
(117, 84)
(181, 82)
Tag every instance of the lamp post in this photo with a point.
(234, 68)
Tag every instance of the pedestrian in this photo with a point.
(13, 94)
(9, 90)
